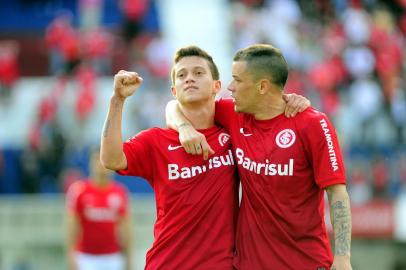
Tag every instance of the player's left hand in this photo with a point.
(294, 104)
(341, 263)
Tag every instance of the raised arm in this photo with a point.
(193, 142)
(340, 215)
(111, 151)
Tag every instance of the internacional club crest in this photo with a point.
(114, 201)
(223, 138)
(285, 138)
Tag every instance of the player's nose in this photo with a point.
(231, 88)
(189, 78)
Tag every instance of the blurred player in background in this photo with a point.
(99, 231)
(285, 165)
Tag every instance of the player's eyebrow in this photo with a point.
(192, 68)
(182, 69)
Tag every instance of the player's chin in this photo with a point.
(193, 99)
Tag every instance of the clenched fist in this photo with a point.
(126, 83)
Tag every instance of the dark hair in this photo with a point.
(195, 51)
(264, 60)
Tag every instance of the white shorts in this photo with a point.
(114, 261)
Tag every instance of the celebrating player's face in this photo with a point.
(193, 81)
(242, 88)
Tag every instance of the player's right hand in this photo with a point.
(126, 83)
(294, 104)
(194, 142)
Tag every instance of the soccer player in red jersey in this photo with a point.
(99, 233)
(196, 199)
(285, 165)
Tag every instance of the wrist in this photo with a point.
(183, 125)
(117, 99)
(343, 256)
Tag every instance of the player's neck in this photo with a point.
(269, 107)
(101, 182)
(201, 116)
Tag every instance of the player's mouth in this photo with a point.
(191, 87)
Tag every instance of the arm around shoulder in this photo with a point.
(174, 117)
(192, 141)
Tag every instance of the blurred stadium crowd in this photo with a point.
(346, 56)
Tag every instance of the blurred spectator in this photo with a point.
(96, 49)
(133, 12)
(356, 23)
(402, 170)
(388, 54)
(1, 164)
(90, 13)
(158, 57)
(30, 171)
(43, 161)
(51, 155)
(86, 94)
(9, 71)
(381, 176)
(398, 110)
(360, 187)
(63, 44)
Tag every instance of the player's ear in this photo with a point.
(217, 86)
(263, 86)
(173, 90)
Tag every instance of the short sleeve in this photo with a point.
(73, 195)
(322, 148)
(139, 153)
(225, 114)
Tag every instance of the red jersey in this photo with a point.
(284, 165)
(99, 210)
(196, 200)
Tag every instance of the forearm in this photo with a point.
(126, 242)
(174, 117)
(71, 233)
(340, 215)
(111, 150)
(70, 257)
(128, 257)
(72, 230)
